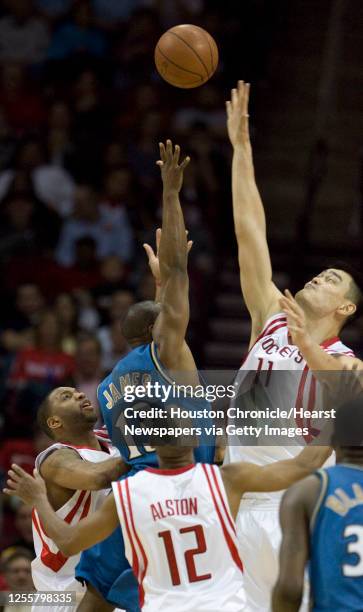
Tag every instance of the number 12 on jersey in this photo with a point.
(188, 554)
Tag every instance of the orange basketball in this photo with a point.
(186, 56)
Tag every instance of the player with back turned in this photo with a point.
(177, 522)
(293, 335)
(322, 522)
(156, 333)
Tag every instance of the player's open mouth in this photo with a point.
(86, 405)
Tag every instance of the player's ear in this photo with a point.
(347, 309)
(54, 422)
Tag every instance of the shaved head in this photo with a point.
(139, 321)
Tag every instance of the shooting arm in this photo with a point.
(67, 469)
(259, 292)
(171, 325)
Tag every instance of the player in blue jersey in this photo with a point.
(156, 332)
(322, 522)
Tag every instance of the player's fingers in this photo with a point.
(234, 97)
(16, 468)
(184, 163)
(9, 492)
(160, 163)
(176, 154)
(162, 151)
(11, 484)
(228, 107)
(149, 251)
(14, 476)
(248, 89)
(189, 245)
(169, 150)
(157, 238)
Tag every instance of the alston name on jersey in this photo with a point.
(174, 507)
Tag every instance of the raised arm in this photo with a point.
(171, 325)
(242, 477)
(67, 469)
(259, 292)
(70, 539)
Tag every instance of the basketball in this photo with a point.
(186, 56)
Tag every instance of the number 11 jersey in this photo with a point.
(180, 540)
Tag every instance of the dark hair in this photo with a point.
(138, 320)
(12, 553)
(43, 413)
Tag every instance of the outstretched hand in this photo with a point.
(28, 488)
(153, 256)
(296, 320)
(171, 171)
(237, 115)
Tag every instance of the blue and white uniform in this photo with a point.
(336, 541)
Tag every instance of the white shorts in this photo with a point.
(259, 537)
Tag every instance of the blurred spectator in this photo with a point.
(23, 526)
(65, 307)
(113, 279)
(53, 9)
(22, 104)
(110, 336)
(84, 273)
(207, 109)
(114, 345)
(92, 124)
(16, 567)
(23, 36)
(59, 141)
(22, 451)
(78, 36)
(17, 329)
(110, 13)
(52, 184)
(88, 371)
(45, 362)
(182, 11)
(112, 236)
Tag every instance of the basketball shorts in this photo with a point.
(105, 567)
(259, 536)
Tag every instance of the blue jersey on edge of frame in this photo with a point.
(336, 541)
(139, 367)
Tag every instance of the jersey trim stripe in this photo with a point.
(231, 545)
(135, 560)
(141, 548)
(227, 512)
(54, 561)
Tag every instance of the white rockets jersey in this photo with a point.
(180, 540)
(297, 387)
(51, 570)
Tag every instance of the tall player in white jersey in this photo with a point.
(78, 470)
(297, 335)
(177, 523)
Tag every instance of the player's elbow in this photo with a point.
(108, 474)
(287, 594)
